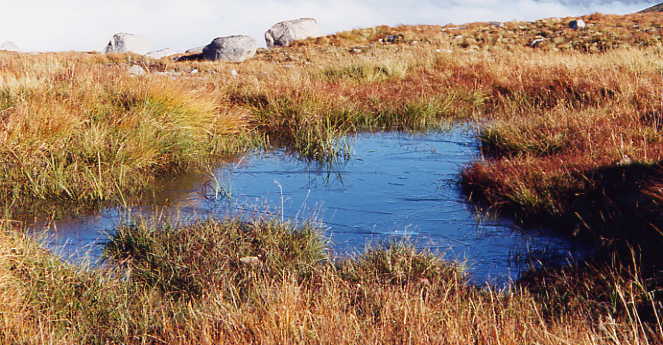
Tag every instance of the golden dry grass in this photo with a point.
(77, 128)
(390, 295)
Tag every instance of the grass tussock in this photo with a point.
(74, 131)
(189, 284)
(188, 261)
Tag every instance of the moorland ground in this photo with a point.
(570, 128)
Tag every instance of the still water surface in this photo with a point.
(394, 186)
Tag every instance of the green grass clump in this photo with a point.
(509, 140)
(191, 260)
(428, 113)
(314, 126)
(365, 72)
(399, 263)
(306, 125)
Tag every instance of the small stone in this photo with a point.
(250, 260)
(234, 73)
(626, 160)
(194, 71)
(136, 70)
(454, 28)
(393, 39)
(537, 42)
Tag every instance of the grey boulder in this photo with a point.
(136, 70)
(196, 50)
(161, 53)
(577, 24)
(230, 48)
(284, 33)
(9, 46)
(125, 43)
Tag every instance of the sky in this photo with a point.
(57, 25)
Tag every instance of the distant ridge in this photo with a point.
(655, 8)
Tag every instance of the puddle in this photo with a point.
(394, 186)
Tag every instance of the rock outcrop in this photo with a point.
(196, 50)
(9, 46)
(230, 48)
(125, 43)
(284, 33)
(655, 8)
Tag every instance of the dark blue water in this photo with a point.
(394, 186)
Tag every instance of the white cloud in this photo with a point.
(87, 25)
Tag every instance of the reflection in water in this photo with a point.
(394, 186)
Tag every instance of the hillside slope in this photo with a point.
(655, 8)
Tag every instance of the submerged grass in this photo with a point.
(193, 284)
